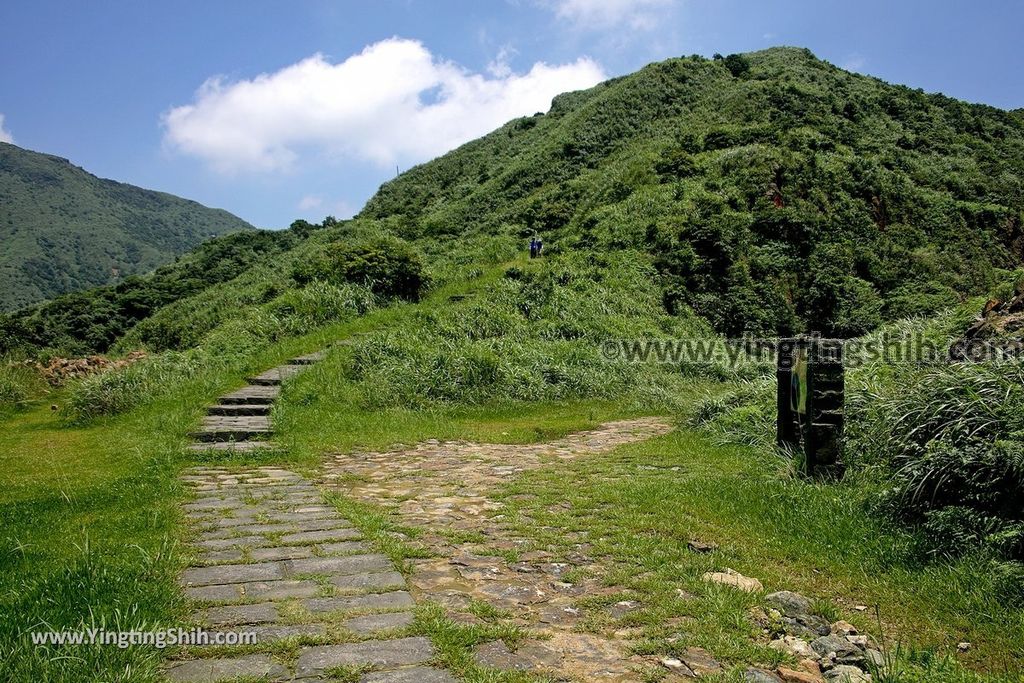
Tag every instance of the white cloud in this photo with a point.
(394, 101)
(604, 14)
(5, 135)
(310, 202)
(854, 62)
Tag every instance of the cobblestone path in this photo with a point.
(443, 488)
(271, 559)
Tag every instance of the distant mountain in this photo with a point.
(63, 229)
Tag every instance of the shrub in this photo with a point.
(388, 266)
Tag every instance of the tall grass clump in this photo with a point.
(18, 385)
(952, 439)
(121, 389)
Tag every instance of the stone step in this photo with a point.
(252, 394)
(230, 446)
(276, 376)
(229, 434)
(239, 409)
(237, 421)
(308, 359)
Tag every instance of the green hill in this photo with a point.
(64, 229)
(771, 189)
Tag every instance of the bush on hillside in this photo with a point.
(389, 267)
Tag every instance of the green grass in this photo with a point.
(90, 511)
(639, 505)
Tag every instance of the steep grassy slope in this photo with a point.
(64, 229)
(771, 189)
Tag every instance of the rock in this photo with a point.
(859, 641)
(874, 658)
(810, 666)
(797, 647)
(622, 608)
(760, 676)
(809, 625)
(792, 676)
(963, 647)
(527, 657)
(734, 579)
(676, 666)
(789, 603)
(844, 628)
(847, 674)
(702, 547)
(700, 661)
(842, 650)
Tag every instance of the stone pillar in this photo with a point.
(818, 427)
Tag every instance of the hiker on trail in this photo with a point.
(540, 247)
(533, 247)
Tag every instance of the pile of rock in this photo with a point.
(57, 371)
(998, 330)
(834, 653)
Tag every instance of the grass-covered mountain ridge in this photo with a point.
(771, 189)
(64, 229)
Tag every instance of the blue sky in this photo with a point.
(279, 110)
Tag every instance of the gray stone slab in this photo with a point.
(238, 614)
(231, 446)
(233, 542)
(379, 622)
(321, 536)
(344, 547)
(416, 674)
(280, 590)
(215, 593)
(258, 667)
(291, 552)
(349, 564)
(270, 633)
(229, 555)
(239, 422)
(283, 516)
(387, 580)
(265, 529)
(211, 504)
(232, 573)
(379, 653)
(241, 518)
(322, 524)
(392, 600)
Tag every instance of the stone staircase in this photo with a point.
(240, 421)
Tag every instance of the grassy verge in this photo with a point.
(640, 505)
